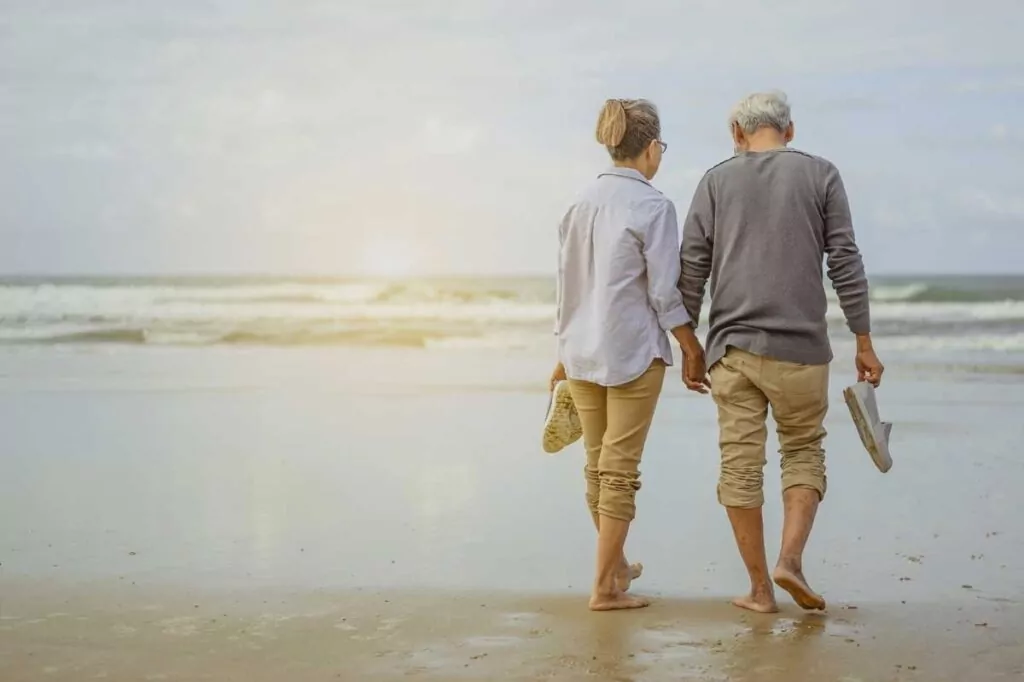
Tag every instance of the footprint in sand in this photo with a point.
(183, 626)
(519, 618)
(122, 630)
(492, 641)
(389, 624)
(384, 626)
(663, 644)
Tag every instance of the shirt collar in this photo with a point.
(630, 173)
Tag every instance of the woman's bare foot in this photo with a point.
(627, 574)
(617, 602)
(792, 580)
(758, 601)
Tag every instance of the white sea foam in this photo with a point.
(434, 314)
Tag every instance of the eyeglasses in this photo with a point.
(663, 145)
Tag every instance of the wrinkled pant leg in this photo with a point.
(742, 433)
(630, 413)
(799, 400)
(591, 405)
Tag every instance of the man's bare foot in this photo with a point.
(793, 581)
(627, 574)
(617, 602)
(758, 602)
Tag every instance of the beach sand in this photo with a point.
(129, 632)
(378, 514)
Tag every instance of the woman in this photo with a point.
(617, 297)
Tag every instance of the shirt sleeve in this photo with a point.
(696, 250)
(559, 283)
(661, 241)
(845, 265)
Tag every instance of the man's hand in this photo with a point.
(557, 375)
(869, 367)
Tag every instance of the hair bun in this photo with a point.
(611, 124)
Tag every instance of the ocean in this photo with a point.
(180, 451)
(974, 318)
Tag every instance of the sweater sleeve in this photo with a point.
(845, 265)
(695, 252)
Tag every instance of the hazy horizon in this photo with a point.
(445, 139)
(254, 274)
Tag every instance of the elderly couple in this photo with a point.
(759, 227)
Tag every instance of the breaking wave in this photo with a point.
(493, 313)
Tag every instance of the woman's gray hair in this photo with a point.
(761, 110)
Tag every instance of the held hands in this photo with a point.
(695, 372)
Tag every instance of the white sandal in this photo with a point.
(562, 425)
(874, 433)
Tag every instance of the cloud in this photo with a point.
(845, 103)
(450, 138)
(97, 150)
(1005, 136)
(251, 124)
(1003, 85)
(984, 202)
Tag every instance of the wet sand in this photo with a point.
(139, 633)
(384, 514)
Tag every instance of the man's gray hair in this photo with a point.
(761, 110)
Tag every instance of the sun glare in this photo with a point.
(389, 258)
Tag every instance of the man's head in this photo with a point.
(761, 121)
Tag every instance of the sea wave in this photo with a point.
(449, 339)
(238, 291)
(934, 315)
(921, 292)
(281, 335)
(496, 313)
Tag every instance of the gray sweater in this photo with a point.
(759, 227)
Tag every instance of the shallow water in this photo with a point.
(352, 514)
(393, 468)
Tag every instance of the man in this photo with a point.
(759, 227)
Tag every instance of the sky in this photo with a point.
(448, 136)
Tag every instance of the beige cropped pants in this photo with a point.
(615, 423)
(744, 386)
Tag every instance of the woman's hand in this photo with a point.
(556, 376)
